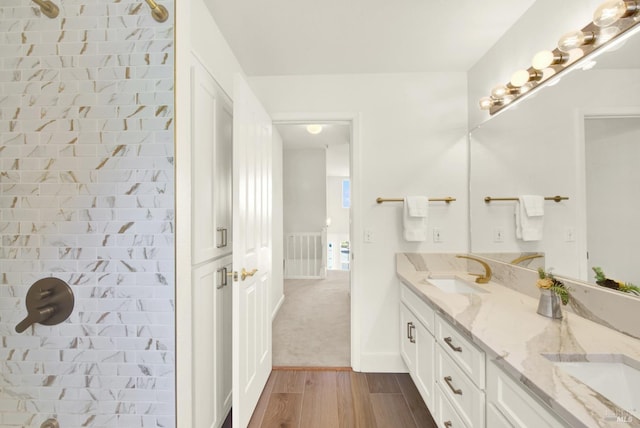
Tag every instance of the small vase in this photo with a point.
(550, 304)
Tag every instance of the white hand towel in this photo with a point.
(414, 218)
(529, 226)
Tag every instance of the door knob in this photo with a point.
(244, 274)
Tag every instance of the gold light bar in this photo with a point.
(548, 198)
(158, 11)
(47, 8)
(448, 200)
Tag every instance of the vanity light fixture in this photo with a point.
(314, 129)
(610, 20)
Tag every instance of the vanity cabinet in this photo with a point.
(460, 378)
(417, 342)
(509, 405)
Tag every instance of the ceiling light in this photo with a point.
(611, 11)
(575, 39)
(314, 129)
(545, 59)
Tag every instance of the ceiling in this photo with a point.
(279, 37)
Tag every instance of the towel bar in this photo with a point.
(448, 200)
(547, 198)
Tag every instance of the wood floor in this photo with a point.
(340, 399)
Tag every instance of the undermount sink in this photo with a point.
(615, 377)
(453, 284)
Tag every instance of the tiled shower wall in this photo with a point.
(87, 195)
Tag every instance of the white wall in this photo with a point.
(413, 142)
(305, 203)
(277, 274)
(539, 28)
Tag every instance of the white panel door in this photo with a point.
(252, 196)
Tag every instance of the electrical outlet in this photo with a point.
(498, 234)
(368, 235)
(437, 234)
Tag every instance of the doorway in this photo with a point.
(312, 328)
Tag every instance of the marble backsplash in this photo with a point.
(612, 309)
(87, 195)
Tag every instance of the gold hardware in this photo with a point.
(449, 342)
(556, 198)
(158, 11)
(48, 8)
(448, 200)
(448, 424)
(233, 274)
(481, 279)
(245, 274)
(448, 379)
(527, 257)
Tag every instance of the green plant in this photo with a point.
(602, 280)
(548, 281)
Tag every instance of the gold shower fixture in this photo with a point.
(48, 8)
(158, 11)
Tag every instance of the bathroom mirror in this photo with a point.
(578, 138)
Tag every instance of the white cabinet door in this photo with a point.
(515, 404)
(407, 338)
(424, 367)
(208, 342)
(224, 306)
(211, 131)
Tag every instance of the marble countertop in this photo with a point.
(504, 324)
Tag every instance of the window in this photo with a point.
(346, 193)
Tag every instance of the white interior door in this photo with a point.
(252, 196)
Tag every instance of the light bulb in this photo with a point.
(499, 91)
(314, 129)
(486, 103)
(519, 78)
(575, 39)
(507, 99)
(526, 88)
(545, 59)
(610, 11)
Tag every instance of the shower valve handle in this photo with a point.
(49, 301)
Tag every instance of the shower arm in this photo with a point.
(158, 11)
(48, 8)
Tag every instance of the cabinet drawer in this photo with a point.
(464, 395)
(422, 311)
(444, 414)
(516, 404)
(462, 351)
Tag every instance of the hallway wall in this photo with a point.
(87, 195)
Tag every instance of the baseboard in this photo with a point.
(382, 362)
(312, 368)
(277, 308)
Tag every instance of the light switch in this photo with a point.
(368, 235)
(498, 234)
(437, 235)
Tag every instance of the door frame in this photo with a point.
(355, 228)
(581, 116)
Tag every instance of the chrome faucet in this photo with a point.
(481, 279)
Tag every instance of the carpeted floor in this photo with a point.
(313, 326)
